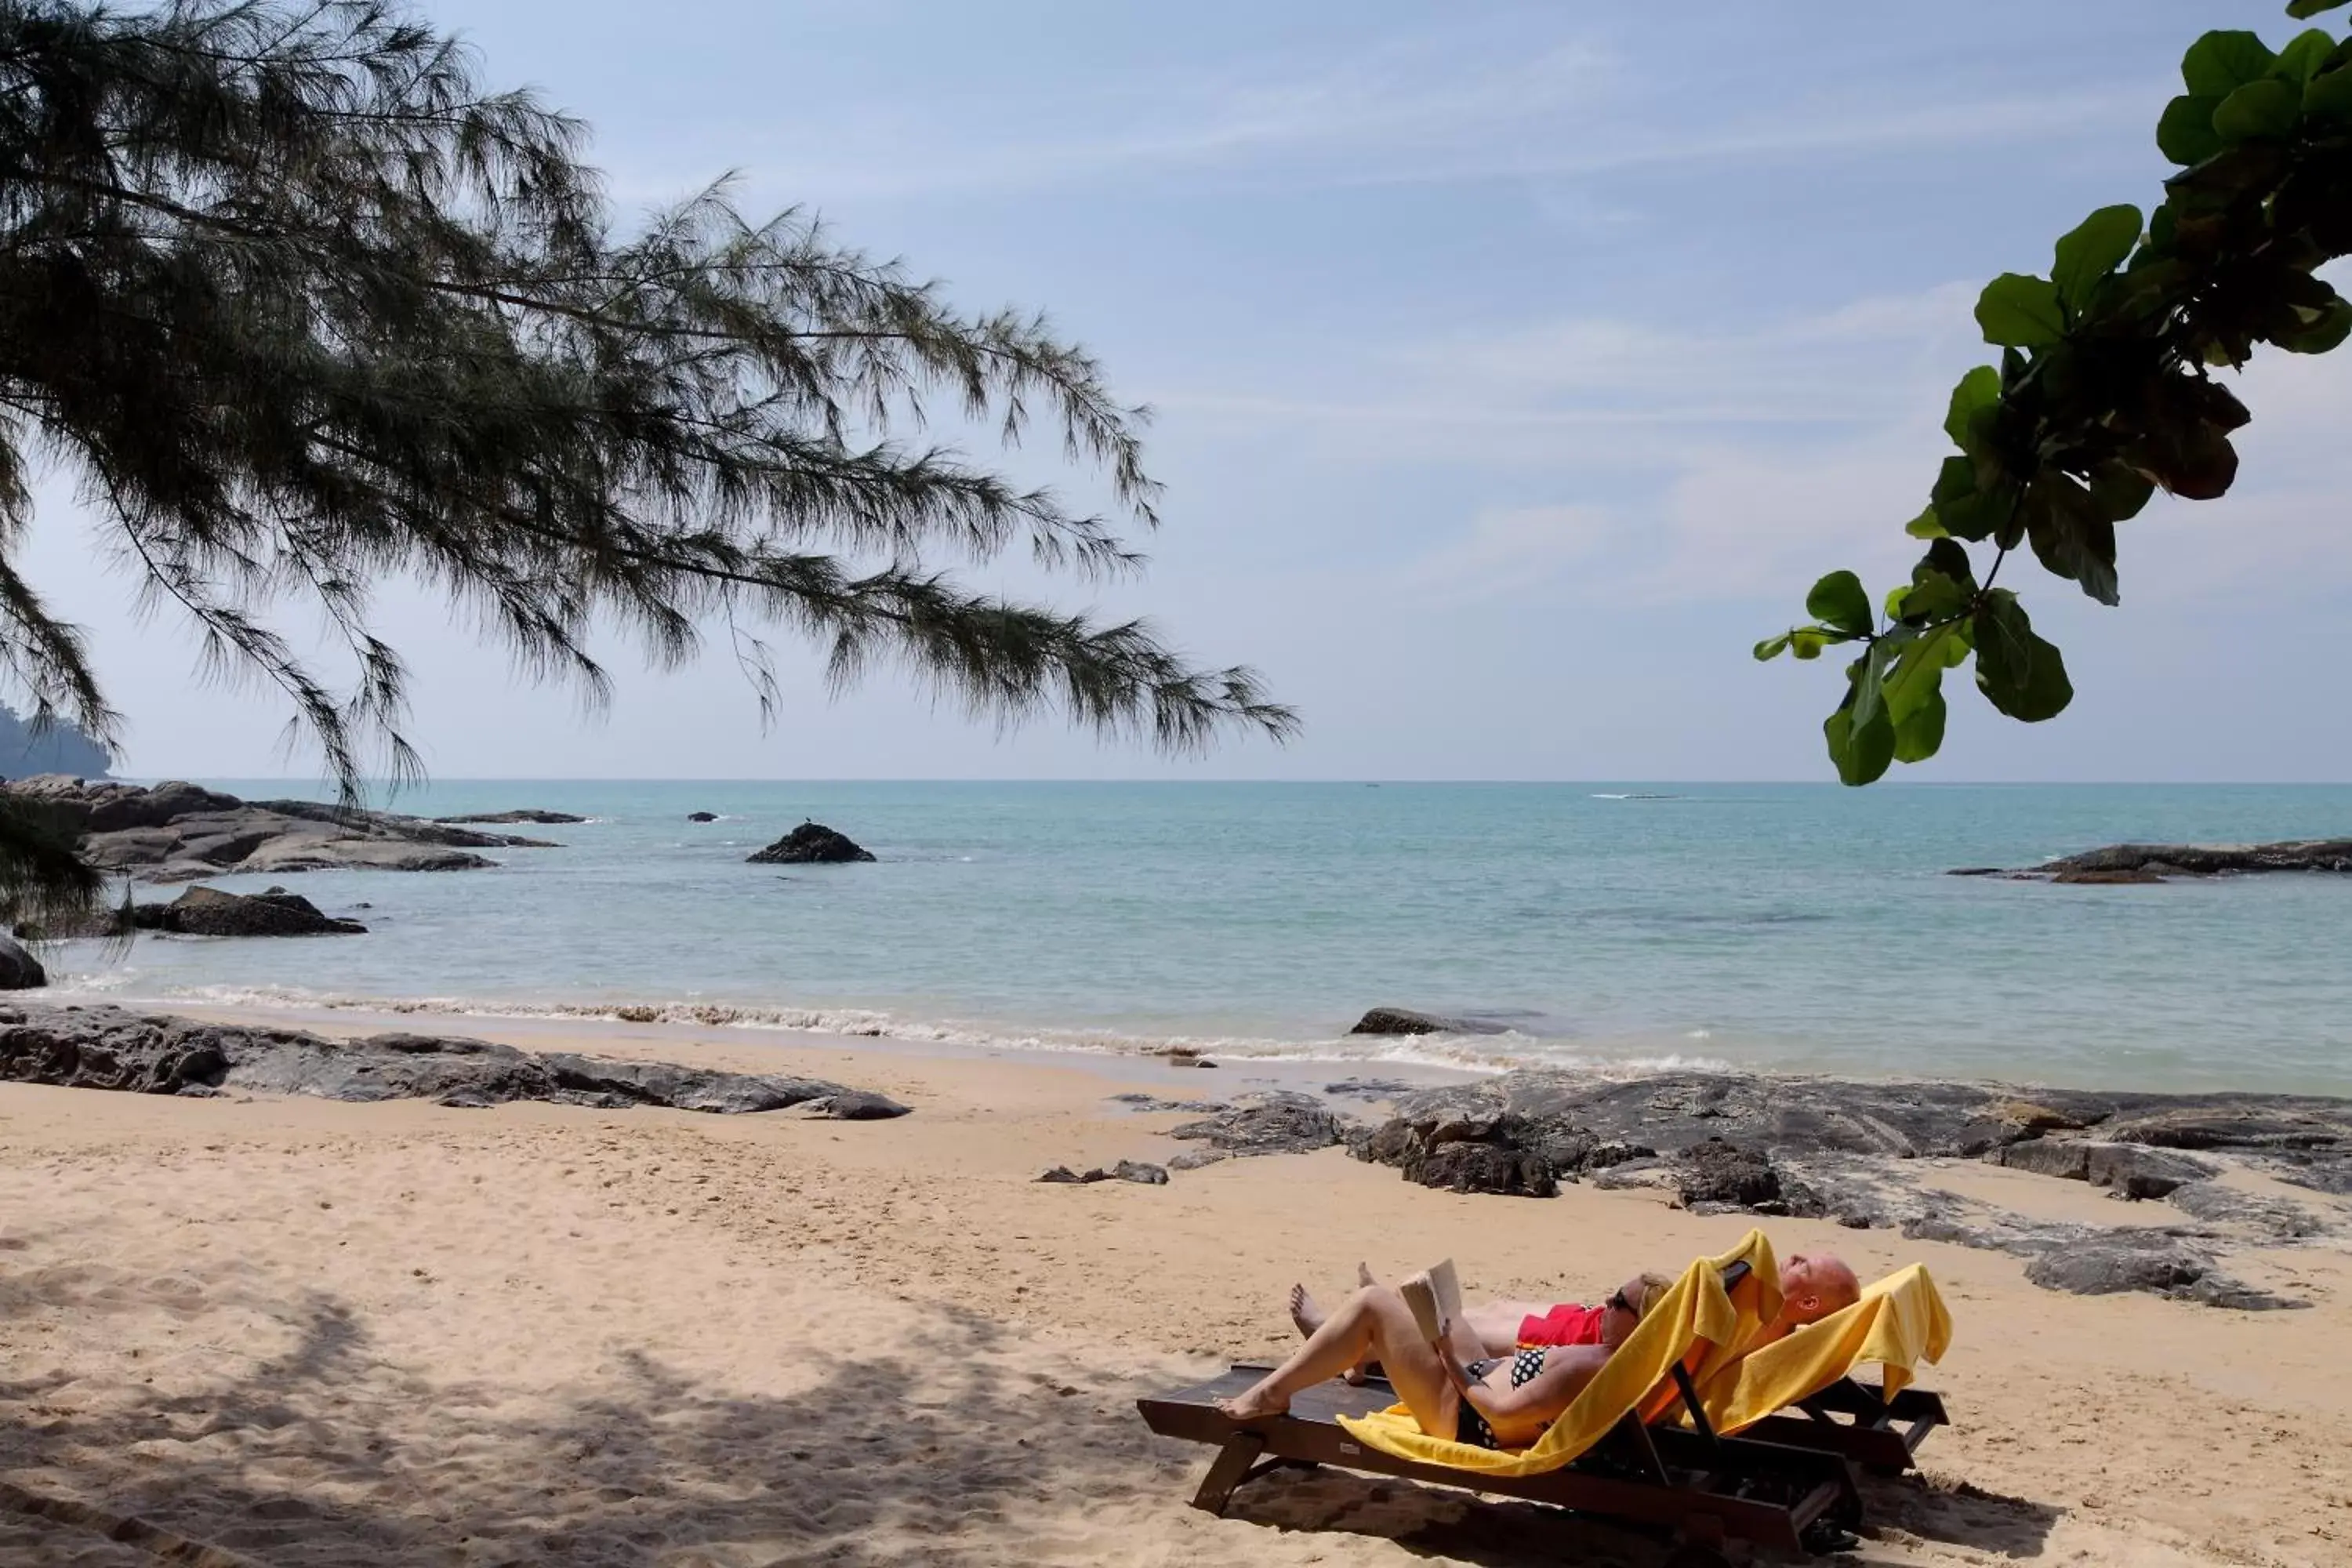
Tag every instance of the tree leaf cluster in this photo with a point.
(2106, 390)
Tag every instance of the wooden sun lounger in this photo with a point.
(1707, 1489)
(1858, 1420)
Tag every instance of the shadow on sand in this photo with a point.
(950, 1451)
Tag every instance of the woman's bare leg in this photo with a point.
(1308, 1317)
(1370, 1323)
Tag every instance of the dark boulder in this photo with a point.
(524, 814)
(1714, 1171)
(1406, 1021)
(702, 816)
(19, 970)
(2132, 1170)
(208, 912)
(2121, 878)
(1134, 1171)
(810, 844)
(861, 1105)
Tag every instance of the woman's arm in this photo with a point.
(1519, 1415)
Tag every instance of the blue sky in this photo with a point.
(1516, 367)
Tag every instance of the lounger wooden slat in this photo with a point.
(1859, 1421)
(1709, 1490)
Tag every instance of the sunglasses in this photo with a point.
(1617, 1303)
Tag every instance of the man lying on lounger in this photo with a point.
(1812, 1286)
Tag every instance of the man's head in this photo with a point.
(1813, 1285)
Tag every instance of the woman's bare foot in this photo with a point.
(1253, 1404)
(1304, 1313)
(1364, 1275)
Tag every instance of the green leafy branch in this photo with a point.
(2105, 391)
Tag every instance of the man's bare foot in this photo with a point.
(1253, 1404)
(1304, 1313)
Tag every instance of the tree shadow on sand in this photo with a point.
(954, 1448)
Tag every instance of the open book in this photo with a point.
(1434, 1296)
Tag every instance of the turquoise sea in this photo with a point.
(1790, 926)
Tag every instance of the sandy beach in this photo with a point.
(297, 1333)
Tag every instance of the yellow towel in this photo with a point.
(1899, 1322)
(1693, 1318)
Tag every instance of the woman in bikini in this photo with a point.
(1451, 1386)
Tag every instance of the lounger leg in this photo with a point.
(1232, 1466)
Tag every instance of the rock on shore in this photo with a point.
(178, 832)
(525, 813)
(2129, 863)
(1859, 1153)
(810, 844)
(111, 1047)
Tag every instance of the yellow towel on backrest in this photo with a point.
(1899, 1322)
(1695, 1314)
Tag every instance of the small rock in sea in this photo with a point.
(512, 816)
(19, 970)
(812, 842)
(1406, 1021)
(702, 816)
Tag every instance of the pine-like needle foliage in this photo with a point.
(305, 307)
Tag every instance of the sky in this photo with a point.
(1514, 369)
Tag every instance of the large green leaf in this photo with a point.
(2185, 134)
(1932, 596)
(1920, 735)
(2260, 109)
(2320, 332)
(2091, 249)
(1918, 672)
(2305, 56)
(2328, 96)
(2071, 534)
(2222, 62)
(1980, 388)
(2017, 310)
(2120, 490)
(2020, 674)
(2300, 9)
(1839, 602)
(1861, 753)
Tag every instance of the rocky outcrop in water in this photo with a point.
(523, 813)
(112, 1048)
(2127, 863)
(178, 832)
(19, 970)
(1866, 1154)
(208, 912)
(810, 844)
(702, 816)
(1406, 1021)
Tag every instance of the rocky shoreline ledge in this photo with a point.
(2236, 1173)
(111, 1047)
(2125, 863)
(180, 832)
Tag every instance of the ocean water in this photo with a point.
(1788, 926)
